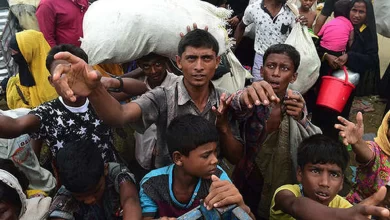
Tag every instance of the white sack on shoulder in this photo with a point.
(309, 68)
(118, 31)
(382, 17)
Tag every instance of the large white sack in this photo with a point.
(309, 68)
(382, 17)
(234, 80)
(118, 31)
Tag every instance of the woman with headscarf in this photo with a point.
(31, 86)
(373, 157)
(361, 57)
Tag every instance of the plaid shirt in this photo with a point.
(252, 123)
(161, 105)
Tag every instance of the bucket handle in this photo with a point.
(346, 74)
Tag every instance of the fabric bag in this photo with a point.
(130, 29)
(382, 17)
(309, 68)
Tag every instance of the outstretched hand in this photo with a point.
(294, 104)
(194, 26)
(222, 110)
(369, 206)
(259, 93)
(350, 132)
(74, 78)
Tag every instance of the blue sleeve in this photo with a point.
(148, 206)
(223, 175)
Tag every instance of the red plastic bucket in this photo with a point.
(334, 92)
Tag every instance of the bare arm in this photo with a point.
(319, 23)
(131, 87)
(130, 201)
(239, 32)
(134, 74)
(110, 110)
(304, 208)
(353, 134)
(14, 127)
(37, 146)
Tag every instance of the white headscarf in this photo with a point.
(13, 182)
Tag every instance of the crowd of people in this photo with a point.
(267, 149)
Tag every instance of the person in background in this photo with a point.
(238, 7)
(306, 10)
(30, 87)
(61, 21)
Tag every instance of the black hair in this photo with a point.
(198, 38)
(8, 194)
(151, 56)
(322, 149)
(65, 48)
(80, 166)
(187, 132)
(286, 49)
(342, 8)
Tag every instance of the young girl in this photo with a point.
(338, 32)
(373, 156)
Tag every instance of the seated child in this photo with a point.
(336, 34)
(305, 10)
(178, 188)
(91, 188)
(321, 165)
(372, 156)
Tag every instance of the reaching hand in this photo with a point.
(222, 193)
(76, 77)
(194, 26)
(259, 93)
(342, 60)
(221, 112)
(302, 19)
(350, 132)
(294, 104)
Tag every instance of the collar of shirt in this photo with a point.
(184, 97)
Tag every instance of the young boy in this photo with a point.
(305, 10)
(174, 190)
(91, 188)
(267, 132)
(60, 120)
(321, 165)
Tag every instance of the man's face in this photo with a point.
(202, 161)
(198, 65)
(321, 182)
(94, 195)
(155, 69)
(278, 71)
(8, 211)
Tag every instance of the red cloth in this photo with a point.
(61, 21)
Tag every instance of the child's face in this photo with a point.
(8, 211)
(278, 70)
(93, 195)
(306, 4)
(321, 182)
(202, 161)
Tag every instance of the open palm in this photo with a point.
(350, 132)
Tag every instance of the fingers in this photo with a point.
(59, 70)
(376, 198)
(65, 88)
(72, 59)
(359, 120)
(374, 210)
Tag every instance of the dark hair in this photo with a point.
(187, 132)
(151, 56)
(286, 49)
(80, 165)
(65, 48)
(342, 8)
(198, 38)
(8, 194)
(322, 149)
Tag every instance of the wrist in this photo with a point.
(116, 85)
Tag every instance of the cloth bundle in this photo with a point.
(118, 31)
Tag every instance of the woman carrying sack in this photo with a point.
(361, 57)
